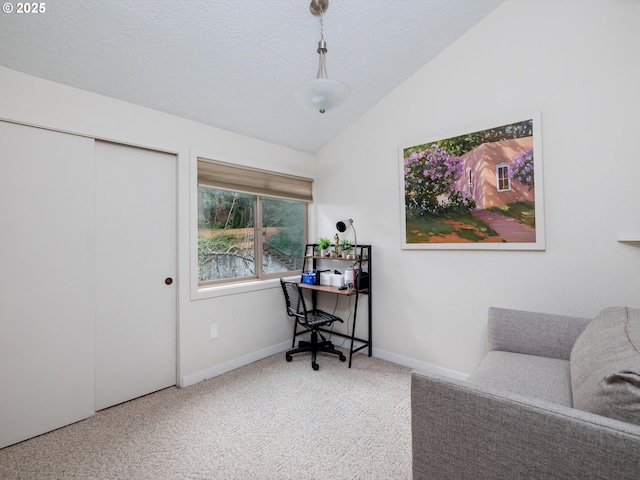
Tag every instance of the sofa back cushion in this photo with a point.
(534, 333)
(605, 365)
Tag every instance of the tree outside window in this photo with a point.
(235, 229)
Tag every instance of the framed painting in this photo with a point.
(477, 189)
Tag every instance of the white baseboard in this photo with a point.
(418, 365)
(202, 375)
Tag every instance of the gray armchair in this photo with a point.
(513, 418)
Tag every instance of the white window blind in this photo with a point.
(227, 176)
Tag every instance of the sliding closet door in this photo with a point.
(46, 280)
(135, 272)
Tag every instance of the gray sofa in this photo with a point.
(555, 397)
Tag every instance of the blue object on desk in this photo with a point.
(310, 277)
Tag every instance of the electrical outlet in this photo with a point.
(214, 331)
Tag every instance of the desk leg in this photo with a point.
(353, 329)
(370, 326)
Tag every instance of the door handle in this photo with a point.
(168, 280)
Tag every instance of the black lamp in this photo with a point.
(342, 226)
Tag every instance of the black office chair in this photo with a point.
(311, 320)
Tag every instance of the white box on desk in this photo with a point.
(325, 278)
(337, 280)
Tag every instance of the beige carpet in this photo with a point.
(267, 420)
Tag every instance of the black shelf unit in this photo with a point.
(361, 262)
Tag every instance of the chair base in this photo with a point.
(314, 347)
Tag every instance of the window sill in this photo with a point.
(631, 239)
(202, 293)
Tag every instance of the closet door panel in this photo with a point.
(47, 276)
(135, 272)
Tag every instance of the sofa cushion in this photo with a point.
(605, 365)
(530, 375)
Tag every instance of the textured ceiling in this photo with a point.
(234, 64)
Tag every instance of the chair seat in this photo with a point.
(319, 318)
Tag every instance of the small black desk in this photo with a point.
(365, 343)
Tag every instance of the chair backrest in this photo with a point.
(294, 299)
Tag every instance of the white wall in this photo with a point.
(577, 62)
(250, 322)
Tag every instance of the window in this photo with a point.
(503, 181)
(247, 214)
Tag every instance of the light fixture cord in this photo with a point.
(322, 50)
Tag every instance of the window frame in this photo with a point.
(506, 177)
(262, 184)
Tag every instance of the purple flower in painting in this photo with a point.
(522, 168)
(430, 174)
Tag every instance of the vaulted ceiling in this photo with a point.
(234, 64)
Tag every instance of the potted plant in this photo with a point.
(323, 244)
(345, 247)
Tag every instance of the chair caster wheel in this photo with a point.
(315, 366)
(288, 357)
(343, 358)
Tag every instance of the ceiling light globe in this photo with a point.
(322, 94)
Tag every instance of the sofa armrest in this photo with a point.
(465, 431)
(533, 333)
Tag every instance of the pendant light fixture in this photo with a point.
(321, 94)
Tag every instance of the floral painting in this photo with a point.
(476, 190)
